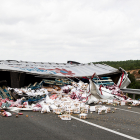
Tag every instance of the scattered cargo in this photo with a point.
(65, 100)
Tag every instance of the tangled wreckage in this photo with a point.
(63, 88)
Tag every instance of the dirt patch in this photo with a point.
(135, 73)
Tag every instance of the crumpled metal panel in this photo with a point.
(57, 69)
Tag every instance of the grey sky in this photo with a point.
(61, 30)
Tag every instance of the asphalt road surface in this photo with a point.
(125, 124)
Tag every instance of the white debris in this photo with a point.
(83, 116)
(6, 114)
(92, 108)
(65, 117)
(45, 108)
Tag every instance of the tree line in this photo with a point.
(127, 65)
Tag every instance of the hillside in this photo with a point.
(135, 73)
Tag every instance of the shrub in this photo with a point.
(139, 72)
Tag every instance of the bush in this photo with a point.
(139, 72)
(134, 84)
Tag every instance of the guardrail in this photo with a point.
(131, 91)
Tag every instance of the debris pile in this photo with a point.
(64, 100)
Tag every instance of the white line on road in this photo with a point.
(127, 110)
(104, 128)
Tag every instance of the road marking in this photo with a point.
(104, 128)
(127, 110)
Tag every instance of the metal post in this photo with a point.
(14, 79)
(17, 79)
(134, 96)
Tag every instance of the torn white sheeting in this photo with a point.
(16, 109)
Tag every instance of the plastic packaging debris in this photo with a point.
(45, 109)
(83, 116)
(122, 103)
(53, 97)
(37, 107)
(101, 111)
(48, 99)
(92, 108)
(6, 114)
(65, 117)
(20, 113)
(76, 110)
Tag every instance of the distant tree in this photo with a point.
(127, 65)
(134, 84)
(131, 77)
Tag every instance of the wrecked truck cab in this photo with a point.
(123, 81)
(105, 88)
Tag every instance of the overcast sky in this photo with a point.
(62, 30)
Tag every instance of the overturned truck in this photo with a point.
(103, 79)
